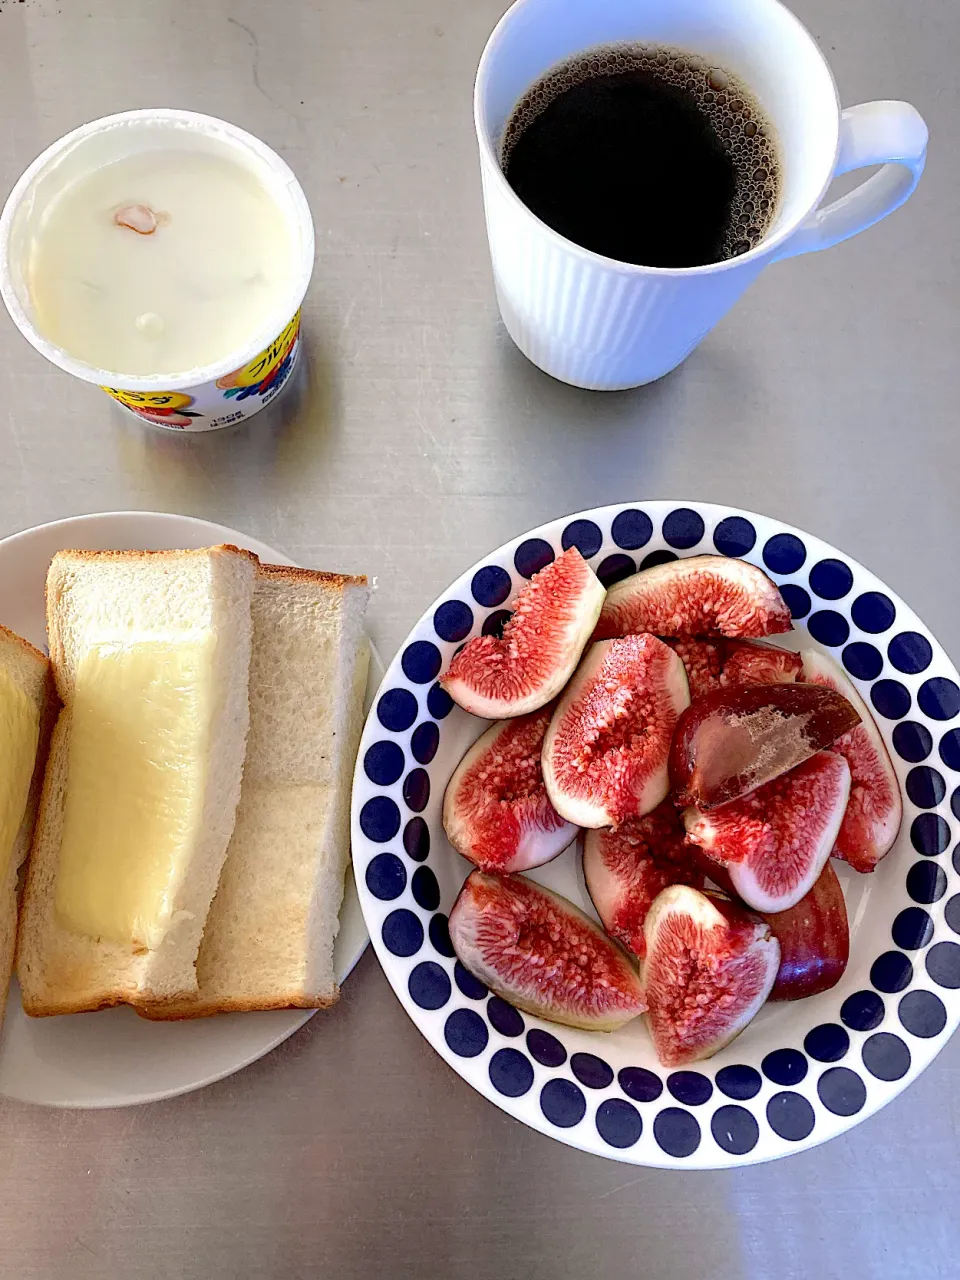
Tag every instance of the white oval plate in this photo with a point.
(113, 1058)
(801, 1072)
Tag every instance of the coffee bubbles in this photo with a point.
(646, 154)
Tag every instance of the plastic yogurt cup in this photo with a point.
(214, 392)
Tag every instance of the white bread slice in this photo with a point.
(93, 596)
(268, 940)
(29, 670)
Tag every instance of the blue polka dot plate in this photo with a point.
(801, 1072)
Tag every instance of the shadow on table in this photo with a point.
(588, 448)
(200, 472)
(592, 410)
(572, 449)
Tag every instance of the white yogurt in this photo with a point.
(215, 266)
(163, 255)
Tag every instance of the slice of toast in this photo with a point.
(268, 940)
(103, 603)
(28, 672)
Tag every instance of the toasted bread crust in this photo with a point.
(30, 891)
(49, 710)
(293, 573)
(29, 650)
(182, 1012)
(53, 1010)
(164, 553)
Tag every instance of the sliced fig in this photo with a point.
(814, 935)
(542, 954)
(814, 939)
(715, 872)
(709, 967)
(605, 752)
(702, 660)
(699, 596)
(496, 811)
(759, 664)
(626, 867)
(713, 664)
(734, 740)
(553, 617)
(875, 807)
(775, 841)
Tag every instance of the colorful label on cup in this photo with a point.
(232, 398)
(162, 408)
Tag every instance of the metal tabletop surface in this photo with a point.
(418, 439)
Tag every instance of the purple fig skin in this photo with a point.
(814, 939)
(814, 935)
(733, 740)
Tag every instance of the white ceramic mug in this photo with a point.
(606, 325)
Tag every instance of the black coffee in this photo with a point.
(645, 154)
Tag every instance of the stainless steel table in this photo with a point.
(419, 439)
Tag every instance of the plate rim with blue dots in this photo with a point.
(814, 1068)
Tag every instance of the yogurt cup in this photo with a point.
(205, 397)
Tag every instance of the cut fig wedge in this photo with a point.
(814, 935)
(496, 811)
(542, 954)
(734, 740)
(702, 660)
(710, 965)
(626, 867)
(553, 618)
(606, 750)
(747, 663)
(814, 939)
(875, 808)
(699, 596)
(775, 841)
(715, 664)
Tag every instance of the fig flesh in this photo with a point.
(814, 935)
(702, 660)
(699, 596)
(714, 664)
(875, 808)
(775, 841)
(626, 867)
(542, 954)
(734, 740)
(709, 967)
(606, 749)
(496, 811)
(814, 939)
(498, 677)
(747, 663)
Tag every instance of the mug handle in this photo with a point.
(891, 134)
